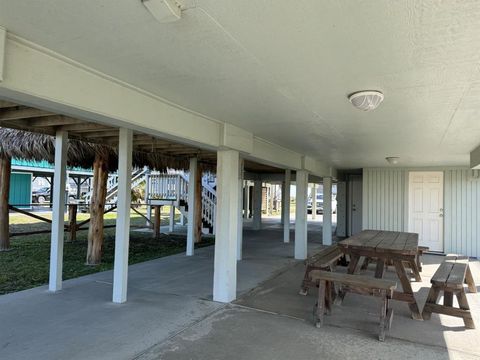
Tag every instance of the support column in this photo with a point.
(228, 202)
(58, 211)
(246, 200)
(97, 209)
(286, 207)
(122, 230)
(327, 211)
(5, 172)
(282, 203)
(192, 179)
(147, 197)
(301, 215)
(313, 193)
(198, 226)
(240, 211)
(257, 204)
(171, 224)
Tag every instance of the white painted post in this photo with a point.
(246, 200)
(58, 211)
(192, 178)
(122, 230)
(147, 196)
(286, 207)
(327, 211)
(301, 215)
(282, 213)
(257, 204)
(240, 211)
(228, 202)
(314, 200)
(171, 225)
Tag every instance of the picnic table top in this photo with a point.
(379, 241)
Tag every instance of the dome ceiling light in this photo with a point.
(366, 100)
(392, 160)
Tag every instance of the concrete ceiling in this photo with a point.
(283, 69)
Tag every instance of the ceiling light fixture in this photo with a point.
(164, 11)
(392, 160)
(366, 100)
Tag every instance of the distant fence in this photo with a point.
(73, 226)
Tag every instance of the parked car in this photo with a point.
(41, 195)
(320, 204)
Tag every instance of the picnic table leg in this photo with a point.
(354, 261)
(419, 262)
(383, 317)
(432, 298)
(463, 303)
(380, 269)
(352, 269)
(328, 297)
(416, 271)
(366, 262)
(305, 282)
(448, 298)
(407, 289)
(469, 280)
(321, 303)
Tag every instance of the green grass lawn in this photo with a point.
(27, 264)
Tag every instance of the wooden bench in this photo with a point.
(452, 273)
(325, 259)
(359, 284)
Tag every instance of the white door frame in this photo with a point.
(409, 204)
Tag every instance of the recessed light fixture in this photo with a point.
(392, 160)
(366, 100)
(164, 11)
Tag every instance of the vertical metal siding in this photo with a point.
(462, 211)
(385, 205)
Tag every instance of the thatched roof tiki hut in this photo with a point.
(103, 158)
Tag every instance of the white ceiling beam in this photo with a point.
(18, 114)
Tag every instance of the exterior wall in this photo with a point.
(385, 204)
(385, 199)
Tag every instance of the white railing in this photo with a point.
(168, 187)
(174, 186)
(112, 186)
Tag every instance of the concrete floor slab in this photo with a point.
(165, 296)
(280, 296)
(238, 333)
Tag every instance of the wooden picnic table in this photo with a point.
(395, 247)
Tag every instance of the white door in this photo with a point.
(426, 208)
(355, 204)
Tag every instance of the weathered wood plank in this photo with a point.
(353, 280)
(441, 275)
(456, 277)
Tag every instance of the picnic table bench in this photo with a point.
(359, 284)
(450, 276)
(325, 259)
